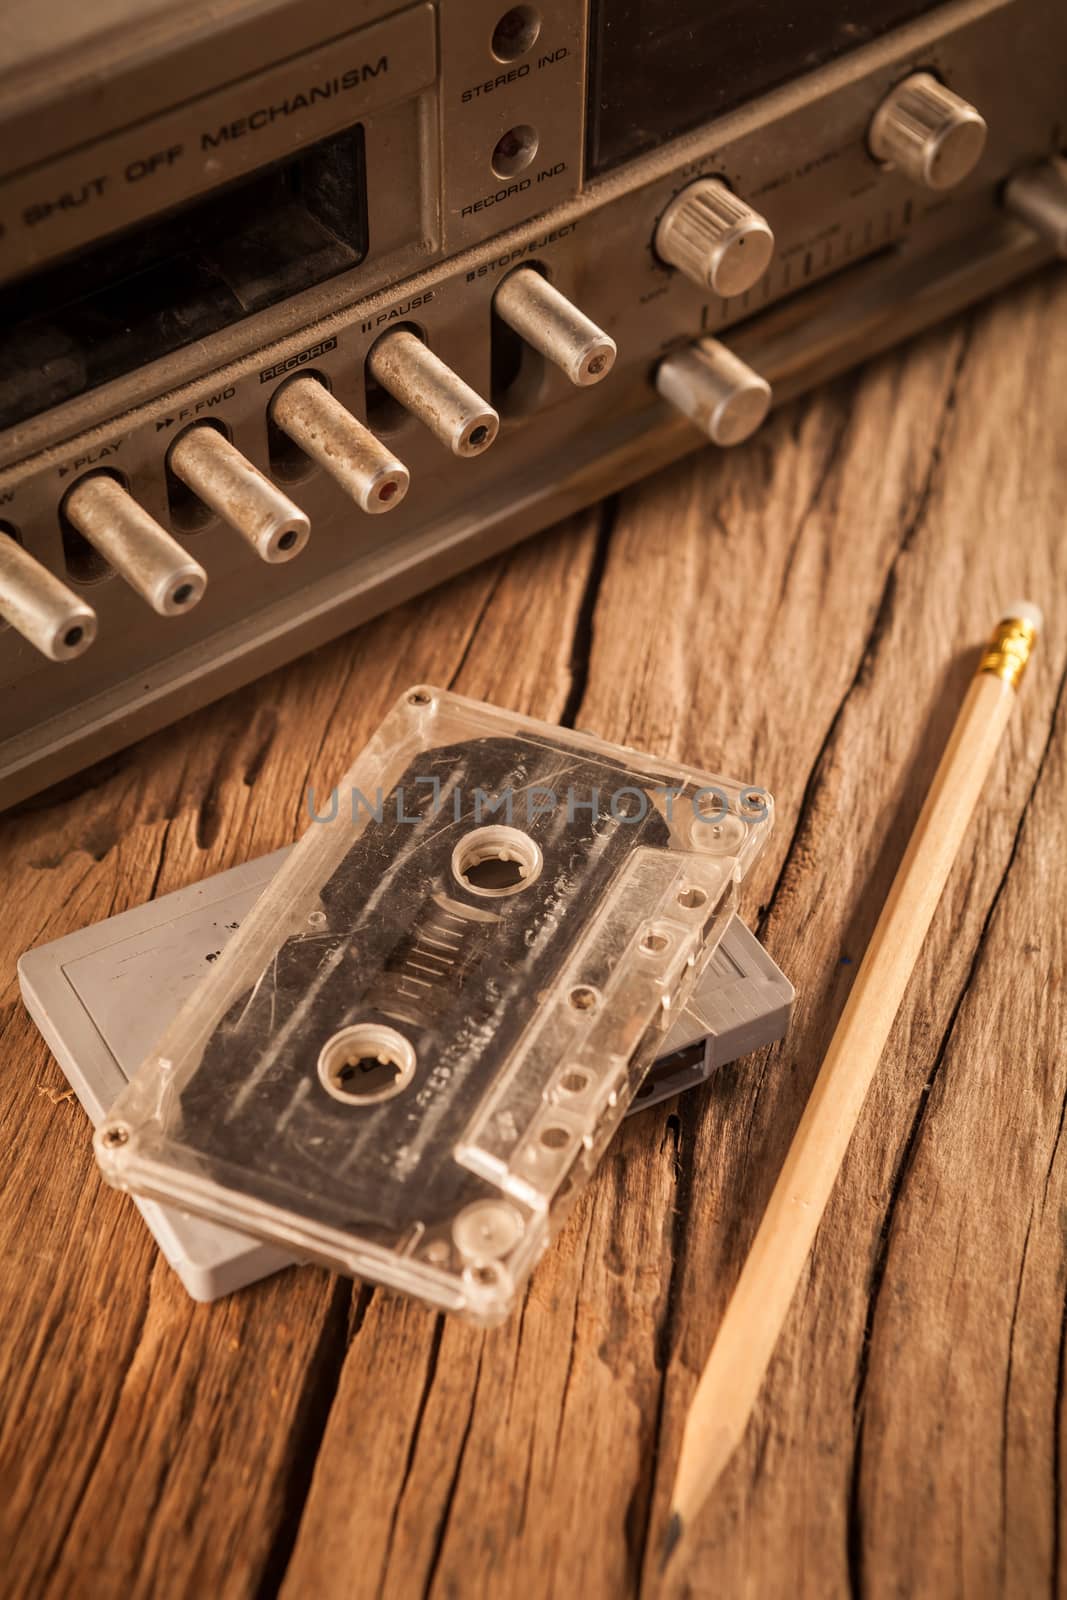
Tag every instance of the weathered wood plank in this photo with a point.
(799, 1499)
(798, 612)
(161, 1445)
(663, 676)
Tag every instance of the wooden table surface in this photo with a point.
(803, 612)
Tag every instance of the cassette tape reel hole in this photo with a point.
(692, 898)
(496, 861)
(366, 1064)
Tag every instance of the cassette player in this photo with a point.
(305, 305)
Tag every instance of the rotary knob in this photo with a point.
(929, 133)
(715, 389)
(1038, 197)
(715, 238)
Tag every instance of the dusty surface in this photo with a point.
(802, 612)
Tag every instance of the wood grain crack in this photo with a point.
(468, 643)
(96, 1451)
(572, 1347)
(1004, 1408)
(1055, 1151)
(584, 627)
(446, 1510)
(161, 859)
(830, 460)
(681, 1128)
(413, 1443)
(327, 725)
(879, 625)
(1057, 1455)
(308, 1428)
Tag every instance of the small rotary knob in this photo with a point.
(716, 390)
(928, 132)
(715, 238)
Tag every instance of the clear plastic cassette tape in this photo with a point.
(428, 1027)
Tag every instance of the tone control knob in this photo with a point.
(712, 236)
(928, 132)
(40, 607)
(1038, 197)
(716, 390)
(306, 411)
(423, 384)
(547, 320)
(142, 552)
(206, 462)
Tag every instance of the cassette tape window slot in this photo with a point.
(240, 208)
(145, 292)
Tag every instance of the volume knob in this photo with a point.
(928, 132)
(715, 238)
(716, 390)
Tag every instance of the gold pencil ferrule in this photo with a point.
(1009, 649)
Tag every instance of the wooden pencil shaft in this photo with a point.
(731, 1381)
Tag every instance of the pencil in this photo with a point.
(730, 1383)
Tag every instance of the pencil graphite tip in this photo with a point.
(673, 1538)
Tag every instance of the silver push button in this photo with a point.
(715, 238)
(142, 552)
(41, 608)
(367, 470)
(716, 390)
(206, 462)
(431, 391)
(548, 321)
